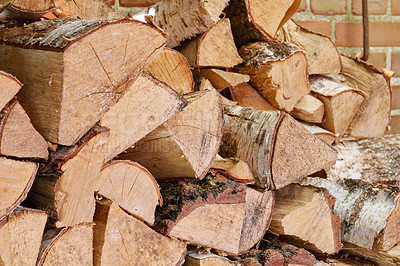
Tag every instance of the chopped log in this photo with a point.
(372, 118)
(309, 109)
(120, 239)
(369, 212)
(247, 96)
(341, 101)
(385, 258)
(234, 169)
(255, 20)
(277, 148)
(215, 213)
(204, 84)
(214, 48)
(183, 19)
(20, 236)
(75, 59)
(322, 54)
(132, 187)
(372, 160)
(323, 134)
(65, 185)
(18, 138)
(277, 70)
(145, 105)
(185, 145)
(220, 79)
(172, 68)
(9, 86)
(318, 230)
(16, 178)
(93, 9)
(70, 245)
(26, 10)
(197, 258)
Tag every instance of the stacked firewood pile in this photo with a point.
(210, 133)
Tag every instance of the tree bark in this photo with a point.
(27, 10)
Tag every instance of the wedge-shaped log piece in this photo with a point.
(277, 148)
(323, 134)
(369, 212)
(234, 169)
(9, 86)
(341, 101)
(304, 215)
(120, 239)
(199, 258)
(145, 105)
(93, 9)
(370, 160)
(215, 213)
(74, 71)
(20, 236)
(18, 138)
(221, 79)
(172, 68)
(71, 245)
(185, 145)
(132, 187)
(322, 54)
(203, 84)
(372, 118)
(16, 178)
(66, 184)
(309, 109)
(247, 96)
(214, 48)
(277, 70)
(254, 20)
(26, 10)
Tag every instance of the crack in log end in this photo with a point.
(101, 64)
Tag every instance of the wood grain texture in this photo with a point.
(10, 85)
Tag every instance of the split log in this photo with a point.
(92, 9)
(277, 148)
(372, 160)
(70, 245)
(120, 239)
(9, 86)
(323, 134)
(255, 20)
(75, 59)
(18, 138)
(172, 68)
(65, 185)
(304, 215)
(16, 178)
(185, 145)
(132, 187)
(277, 70)
(372, 118)
(322, 54)
(198, 258)
(309, 109)
(220, 79)
(234, 169)
(215, 213)
(204, 84)
(26, 10)
(247, 96)
(20, 236)
(214, 48)
(145, 105)
(341, 101)
(369, 212)
(384, 258)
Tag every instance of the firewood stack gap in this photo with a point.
(198, 132)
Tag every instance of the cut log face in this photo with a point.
(27, 10)
(71, 244)
(319, 230)
(372, 118)
(220, 79)
(62, 99)
(215, 212)
(93, 9)
(309, 109)
(20, 236)
(341, 101)
(120, 239)
(268, 64)
(132, 187)
(379, 257)
(197, 258)
(16, 178)
(214, 48)
(185, 145)
(234, 169)
(9, 86)
(277, 148)
(18, 137)
(247, 96)
(183, 19)
(322, 54)
(369, 213)
(146, 105)
(172, 68)
(323, 134)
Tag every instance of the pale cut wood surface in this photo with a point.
(379, 257)
(247, 96)
(93, 9)
(234, 169)
(221, 79)
(323, 134)
(197, 258)
(309, 109)
(9, 86)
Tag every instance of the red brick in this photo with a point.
(303, 6)
(375, 7)
(396, 64)
(378, 60)
(137, 3)
(323, 27)
(381, 34)
(331, 7)
(394, 125)
(396, 97)
(395, 7)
